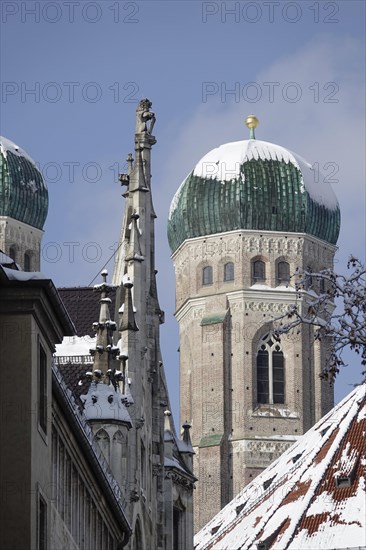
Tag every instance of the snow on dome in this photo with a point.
(22, 187)
(7, 145)
(224, 164)
(253, 185)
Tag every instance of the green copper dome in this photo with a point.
(253, 185)
(23, 193)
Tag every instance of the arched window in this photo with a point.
(308, 278)
(258, 271)
(137, 537)
(270, 372)
(283, 273)
(207, 275)
(322, 285)
(102, 438)
(12, 253)
(229, 271)
(27, 262)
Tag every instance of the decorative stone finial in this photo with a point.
(104, 350)
(251, 122)
(128, 321)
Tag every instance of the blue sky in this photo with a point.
(72, 73)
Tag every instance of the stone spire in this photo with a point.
(104, 400)
(137, 232)
(104, 351)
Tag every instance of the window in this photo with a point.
(270, 372)
(229, 271)
(322, 285)
(12, 253)
(137, 540)
(207, 275)
(177, 527)
(102, 438)
(42, 389)
(143, 466)
(308, 278)
(27, 262)
(283, 273)
(258, 271)
(42, 524)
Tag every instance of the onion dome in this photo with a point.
(23, 193)
(253, 185)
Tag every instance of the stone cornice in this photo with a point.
(245, 233)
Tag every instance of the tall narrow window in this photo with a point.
(207, 275)
(177, 528)
(143, 466)
(27, 262)
(262, 376)
(321, 285)
(258, 271)
(308, 279)
(229, 271)
(42, 524)
(270, 372)
(12, 253)
(102, 438)
(283, 273)
(137, 537)
(42, 389)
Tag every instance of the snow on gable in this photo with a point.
(287, 511)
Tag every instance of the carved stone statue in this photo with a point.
(145, 119)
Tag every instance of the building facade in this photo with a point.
(243, 221)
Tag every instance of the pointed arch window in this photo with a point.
(27, 262)
(207, 276)
(229, 271)
(102, 438)
(270, 372)
(308, 279)
(283, 273)
(12, 253)
(137, 540)
(258, 271)
(322, 285)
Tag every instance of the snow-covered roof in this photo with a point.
(312, 497)
(24, 276)
(104, 402)
(7, 145)
(75, 346)
(5, 260)
(224, 163)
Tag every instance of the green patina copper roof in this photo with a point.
(213, 319)
(23, 193)
(268, 194)
(211, 440)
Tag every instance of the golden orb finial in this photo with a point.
(252, 122)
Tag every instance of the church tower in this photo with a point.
(243, 221)
(23, 206)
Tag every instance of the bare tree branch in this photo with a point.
(346, 329)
